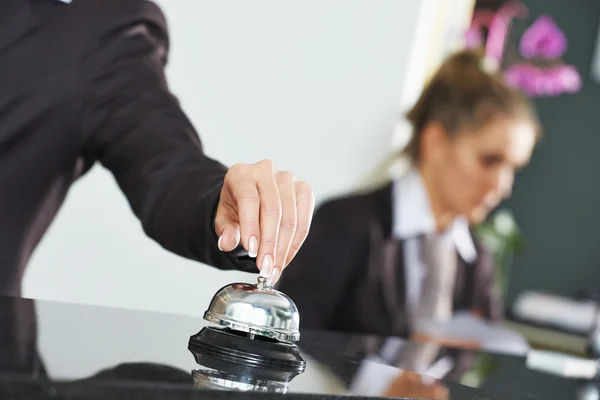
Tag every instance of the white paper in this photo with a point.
(373, 377)
(562, 364)
(492, 337)
(557, 311)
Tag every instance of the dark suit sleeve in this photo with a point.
(135, 127)
(324, 268)
(19, 353)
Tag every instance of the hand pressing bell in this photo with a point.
(268, 212)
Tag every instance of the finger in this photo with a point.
(241, 183)
(270, 217)
(305, 205)
(274, 277)
(229, 236)
(287, 226)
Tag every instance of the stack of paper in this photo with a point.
(491, 337)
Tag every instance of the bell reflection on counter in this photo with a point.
(253, 347)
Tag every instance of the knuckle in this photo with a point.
(248, 195)
(266, 165)
(304, 187)
(238, 173)
(269, 242)
(285, 177)
(271, 210)
(239, 167)
(288, 224)
(251, 223)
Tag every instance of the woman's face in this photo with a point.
(475, 169)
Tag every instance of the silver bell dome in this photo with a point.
(256, 309)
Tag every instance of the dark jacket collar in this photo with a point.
(383, 210)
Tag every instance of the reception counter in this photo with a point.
(52, 350)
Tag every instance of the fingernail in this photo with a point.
(273, 278)
(253, 247)
(237, 237)
(266, 267)
(219, 242)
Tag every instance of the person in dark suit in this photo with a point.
(82, 82)
(369, 265)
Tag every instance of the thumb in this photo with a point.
(228, 232)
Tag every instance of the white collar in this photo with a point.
(413, 216)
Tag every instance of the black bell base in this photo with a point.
(255, 358)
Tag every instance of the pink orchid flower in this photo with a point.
(543, 39)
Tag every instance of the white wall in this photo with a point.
(313, 85)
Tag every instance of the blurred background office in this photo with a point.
(328, 80)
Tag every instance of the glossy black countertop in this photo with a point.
(53, 350)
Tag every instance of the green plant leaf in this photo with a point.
(501, 235)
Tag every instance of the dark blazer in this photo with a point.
(349, 274)
(82, 83)
(19, 353)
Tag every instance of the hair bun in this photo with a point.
(469, 62)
